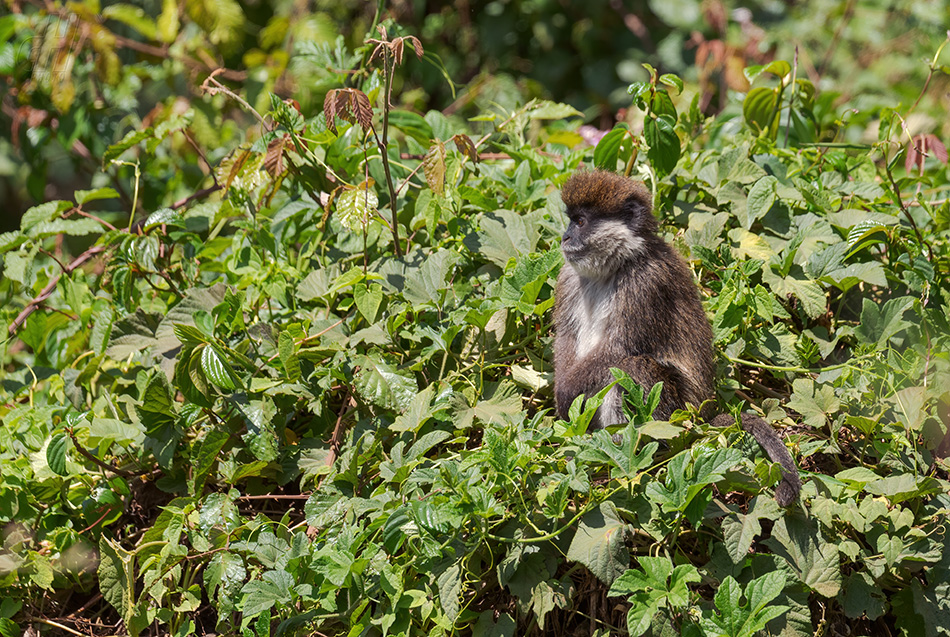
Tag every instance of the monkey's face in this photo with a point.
(597, 246)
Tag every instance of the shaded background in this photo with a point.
(73, 81)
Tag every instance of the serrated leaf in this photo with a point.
(450, 590)
(85, 196)
(383, 384)
(56, 453)
(664, 143)
(355, 208)
(433, 165)
(215, 368)
(131, 139)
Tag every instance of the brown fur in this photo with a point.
(625, 299)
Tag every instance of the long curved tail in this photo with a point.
(787, 491)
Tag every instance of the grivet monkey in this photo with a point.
(626, 299)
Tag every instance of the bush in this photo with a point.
(314, 394)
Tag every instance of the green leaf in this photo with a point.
(132, 16)
(673, 81)
(286, 349)
(425, 284)
(879, 324)
(382, 384)
(815, 404)
(600, 543)
(355, 208)
(608, 148)
(117, 577)
(413, 125)
(216, 368)
(504, 235)
(131, 139)
(56, 453)
(814, 560)
(758, 108)
(449, 582)
(553, 110)
(85, 196)
(261, 595)
(664, 143)
(740, 530)
(761, 197)
(205, 457)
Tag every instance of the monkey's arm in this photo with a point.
(787, 490)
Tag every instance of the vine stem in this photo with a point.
(384, 146)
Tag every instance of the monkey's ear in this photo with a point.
(639, 199)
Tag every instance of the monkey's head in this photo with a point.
(609, 220)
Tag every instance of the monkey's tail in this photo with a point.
(787, 491)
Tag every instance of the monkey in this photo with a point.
(626, 299)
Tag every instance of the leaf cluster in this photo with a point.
(316, 395)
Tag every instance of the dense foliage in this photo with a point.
(283, 366)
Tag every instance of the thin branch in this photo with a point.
(218, 87)
(83, 213)
(91, 458)
(302, 496)
(48, 290)
(50, 622)
(181, 203)
(384, 147)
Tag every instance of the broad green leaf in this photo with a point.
(608, 148)
(740, 530)
(56, 453)
(424, 284)
(599, 543)
(553, 110)
(815, 561)
(761, 197)
(382, 384)
(205, 456)
(355, 208)
(117, 577)
(499, 405)
(413, 125)
(105, 431)
(758, 109)
(664, 143)
(879, 324)
(450, 589)
(260, 595)
(216, 368)
(85, 196)
(505, 235)
(815, 404)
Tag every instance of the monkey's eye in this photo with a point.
(580, 221)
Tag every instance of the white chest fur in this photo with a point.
(589, 314)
